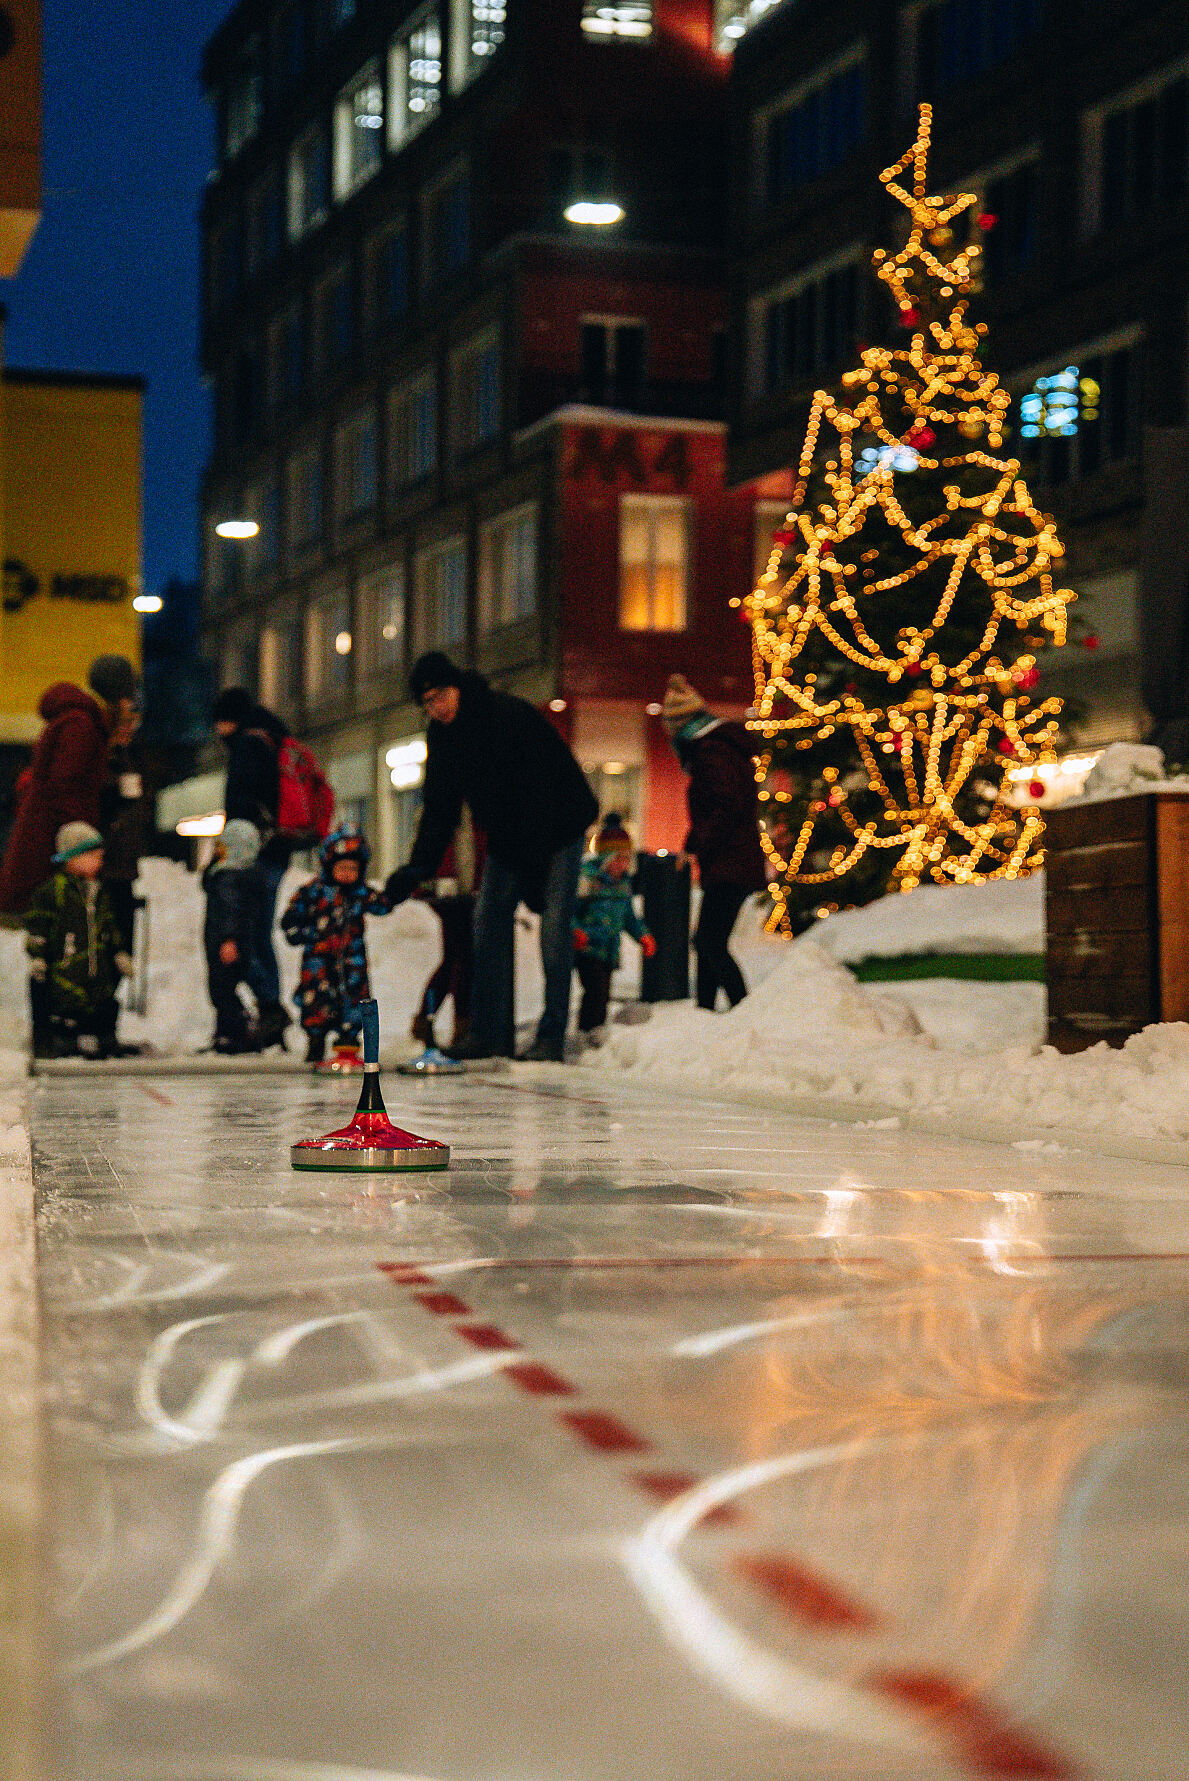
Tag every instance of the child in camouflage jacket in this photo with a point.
(74, 947)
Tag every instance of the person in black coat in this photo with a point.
(233, 890)
(506, 762)
(254, 737)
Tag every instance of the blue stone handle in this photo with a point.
(371, 1031)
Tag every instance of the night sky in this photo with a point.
(111, 280)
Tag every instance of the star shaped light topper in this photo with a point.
(931, 226)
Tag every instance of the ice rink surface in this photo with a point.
(661, 1440)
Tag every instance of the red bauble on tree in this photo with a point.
(986, 220)
(1006, 746)
(909, 316)
(1037, 789)
(1090, 642)
(784, 537)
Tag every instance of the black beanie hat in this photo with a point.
(113, 678)
(432, 670)
(234, 705)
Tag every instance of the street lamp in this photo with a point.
(147, 603)
(237, 528)
(594, 214)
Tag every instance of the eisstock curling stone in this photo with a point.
(371, 1143)
(431, 1062)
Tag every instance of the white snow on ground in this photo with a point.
(1002, 916)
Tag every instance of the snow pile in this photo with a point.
(1125, 768)
(812, 1035)
(1003, 915)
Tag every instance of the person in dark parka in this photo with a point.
(254, 737)
(233, 891)
(525, 790)
(724, 832)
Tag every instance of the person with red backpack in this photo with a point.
(274, 782)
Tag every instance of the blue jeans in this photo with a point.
(495, 950)
(263, 978)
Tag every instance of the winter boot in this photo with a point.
(315, 1047)
(422, 1029)
(272, 1023)
(462, 1035)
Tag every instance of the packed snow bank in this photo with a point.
(811, 1034)
(1004, 915)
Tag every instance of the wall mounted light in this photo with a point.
(557, 704)
(593, 214)
(147, 603)
(237, 528)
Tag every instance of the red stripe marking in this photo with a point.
(538, 1380)
(485, 1335)
(665, 1486)
(606, 1434)
(443, 1304)
(155, 1094)
(987, 1744)
(802, 1594)
(400, 1275)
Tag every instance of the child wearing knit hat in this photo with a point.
(605, 911)
(74, 947)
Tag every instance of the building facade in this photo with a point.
(1070, 119)
(465, 321)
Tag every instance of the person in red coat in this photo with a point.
(724, 832)
(63, 782)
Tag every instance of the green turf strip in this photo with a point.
(977, 967)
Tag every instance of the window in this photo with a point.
(476, 32)
(244, 100)
(477, 392)
(959, 40)
(441, 595)
(286, 358)
(380, 606)
(264, 224)
(1012, 198)
(328, 647)
(305, 498)
(238, 388)
(268, 540)
(334, 323)
(614, 355)
(805, 329)
(386, 260)
(355, 464)
(653, 562)
(291, 45)
(280, 666)
(734, 18)
(628, 18)
(309, 182)
(415, 77)
(508, 568)
(226, 264)
(812, 131)
(1138, 152)
(413, 431)
(446, 226)
(341, 12)
(358, 132)
(1085, 414)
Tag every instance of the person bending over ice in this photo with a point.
(605, 909)
(326, 919)
(74, 948)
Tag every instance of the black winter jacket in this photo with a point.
(254, 779)
(523, 787)
(232, 899)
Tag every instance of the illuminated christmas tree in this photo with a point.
(897, 664)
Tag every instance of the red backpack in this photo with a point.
(305, 801)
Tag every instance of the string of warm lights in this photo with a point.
(956, 725)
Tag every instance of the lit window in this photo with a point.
(653, 562)
(381, 612)
(441, 595)
(622, 20)
(736, 17)
(508, 569)
(1085, 415)
(355, 464)
(413, 431)
(477, 392)
(280, 666)
(476, 32)
(328, 647)
(358, 132)
(415, 77)
(309, 182)
(243, 100)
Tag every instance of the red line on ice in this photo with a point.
(442, 1304)
(605, 1433)
(400, 1275)
(485, 1335)
(538, 1380)
(802, 1594)
(986, 1743)
(156, 1095)
(665, 1486)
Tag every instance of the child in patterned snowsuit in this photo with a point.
(326, 919)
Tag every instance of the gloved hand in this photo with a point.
(400, 885)
(581, 940)
(648, 946)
